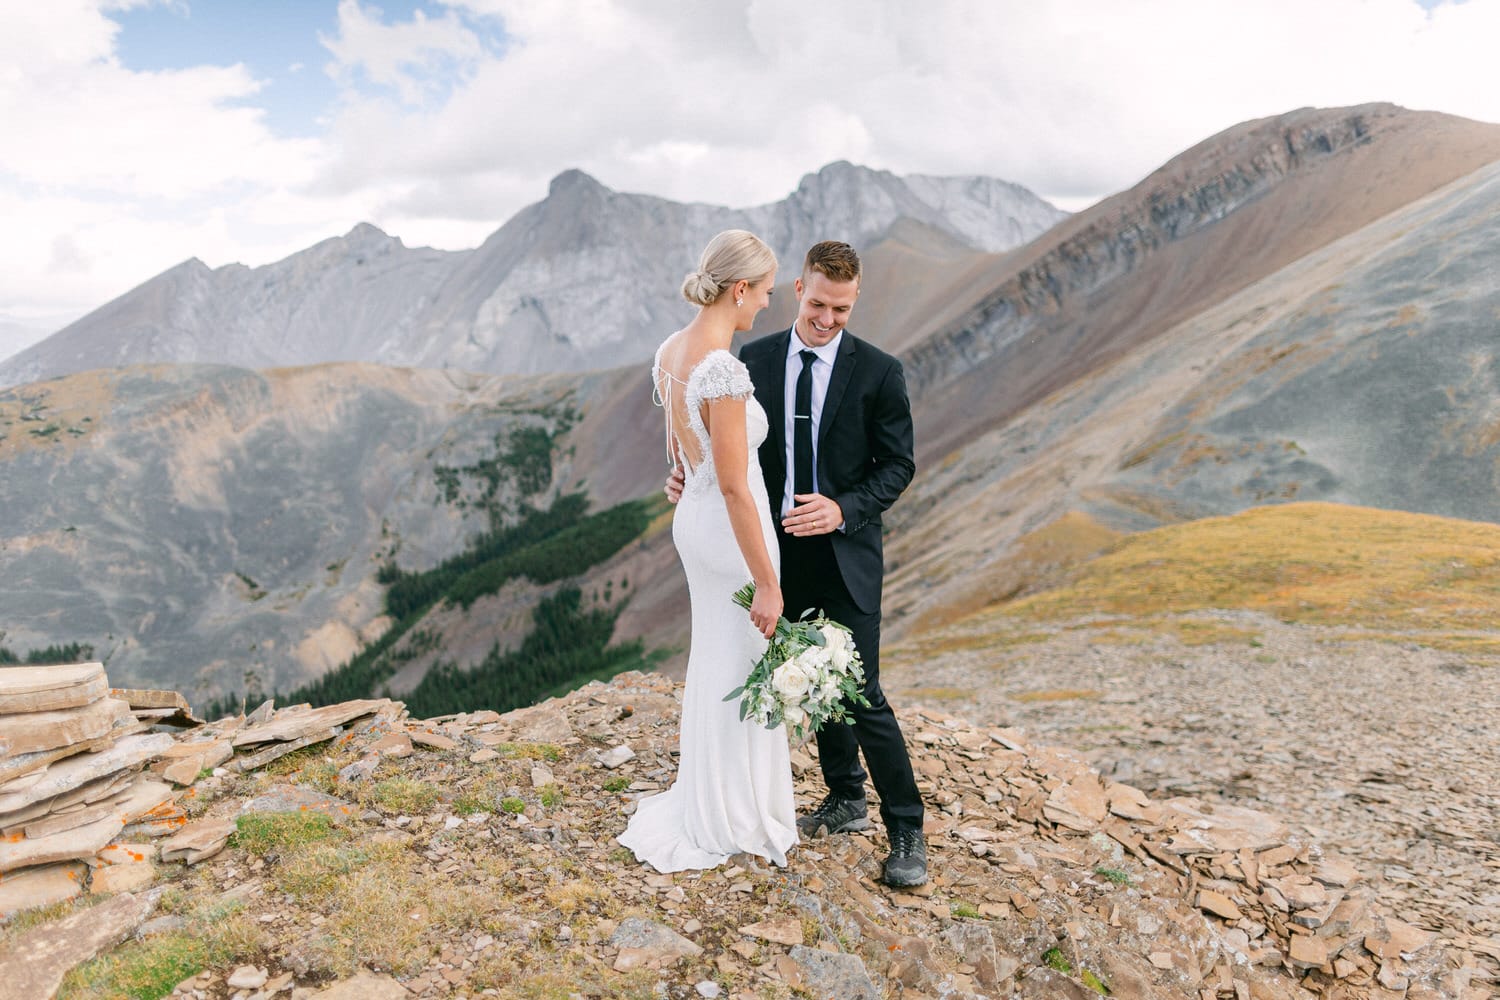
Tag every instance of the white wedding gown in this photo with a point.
(733, 791)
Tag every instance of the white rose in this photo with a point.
(794, 716)
(838, 647)
(790, 681)
(814, 660)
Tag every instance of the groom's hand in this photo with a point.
(814, 514)
(673, 487)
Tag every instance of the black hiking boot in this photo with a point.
(906, 865)
(835, 815)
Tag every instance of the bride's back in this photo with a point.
(676, 360)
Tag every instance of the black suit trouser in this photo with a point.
(810, 579)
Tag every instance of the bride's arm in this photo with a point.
(726, 422)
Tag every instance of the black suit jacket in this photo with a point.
(864, 448)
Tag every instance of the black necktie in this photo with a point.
(802, 435)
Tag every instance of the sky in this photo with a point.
(135, 134)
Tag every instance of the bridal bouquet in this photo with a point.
(809, 668)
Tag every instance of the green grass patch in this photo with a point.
(968, 910)
(385, 908)
(313, 873)
(550, 752)
(1190, 632)
(1053, 958)
(1116, 875)
(315, 766)
(482, 792)
(262, 833)
(216, 936)
(1317, 563)
(616, 784)
(406, 796)
(143, 971)
(472, 802)
(1094, 983)
(513, 805)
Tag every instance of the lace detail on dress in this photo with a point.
(720, 375)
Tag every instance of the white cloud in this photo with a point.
(415, 58)
(108, 176)
(731, 101)
(449, 122)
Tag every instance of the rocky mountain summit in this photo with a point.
(585, 279)
(354, 849)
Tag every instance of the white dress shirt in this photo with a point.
(822, 371)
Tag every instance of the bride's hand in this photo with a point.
(673, 486)
(765, 609)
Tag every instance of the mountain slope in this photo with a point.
(1228, 212)
(1364, 373)
(585, 279)
(196, 524)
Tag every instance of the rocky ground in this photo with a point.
(474, 856)
(1385, 751)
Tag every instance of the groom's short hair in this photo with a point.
(834, 260)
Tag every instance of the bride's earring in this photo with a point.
(739, 302)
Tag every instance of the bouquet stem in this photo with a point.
(745, 596)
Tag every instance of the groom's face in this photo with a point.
(823, 306)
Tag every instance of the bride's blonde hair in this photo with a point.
(729, 257)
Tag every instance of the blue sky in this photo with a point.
(276, 39)
(139, 133)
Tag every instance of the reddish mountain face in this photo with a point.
(1219, 217)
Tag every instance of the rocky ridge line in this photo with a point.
(1173, 203)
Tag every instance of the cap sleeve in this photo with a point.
(721, 375)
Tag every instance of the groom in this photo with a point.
(839, 453)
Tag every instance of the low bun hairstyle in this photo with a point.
(731, 256)
(700, 289)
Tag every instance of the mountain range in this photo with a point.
(585, 279)
(1296, 308)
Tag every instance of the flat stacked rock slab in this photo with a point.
(271, 735)
(163, 708)
(51, 689)
(71, 760)
(33, 965)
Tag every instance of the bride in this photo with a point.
(733, 791)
